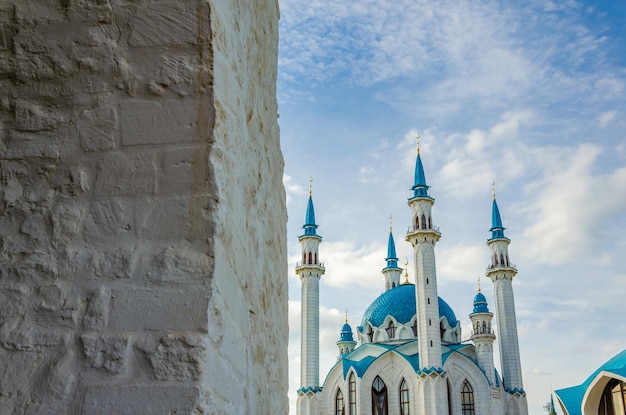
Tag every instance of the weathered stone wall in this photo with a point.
(142, 217)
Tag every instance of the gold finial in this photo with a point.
(417, 137)
(310, 186)
(479, 283)
(406, 271)
(346, 315)
(390, 220)
(493, 189)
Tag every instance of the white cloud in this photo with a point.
(462, 263)
(605, 118)
(292, 188)
(567, 212)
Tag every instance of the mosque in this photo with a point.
(407, 355)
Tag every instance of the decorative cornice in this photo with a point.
(309, 390)
(433, 372)
(516, 391)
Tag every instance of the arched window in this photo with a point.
(310, 258)
(414, 327)
(467, 399)
(507, 260)
(484, 327)
(315, 258)
(351, 395)
(391, 330)
(423, 222)
(339, 408)
(430, 223)
(495, 259)
(393, 285)
(303, 258)
(613, 398)
(502, 263)
(379, 397)
(417, 222)
(404, 398)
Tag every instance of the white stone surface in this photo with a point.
(142, 210)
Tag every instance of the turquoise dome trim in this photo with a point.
(399, 302)
(346, 334)
(480, 304)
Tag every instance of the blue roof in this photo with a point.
(497, 230)
(309, 223)
(480, 304)
(420, 188)
(346, 334)
(392, 258)
(363, 356)
(399, 302)
(572, 397)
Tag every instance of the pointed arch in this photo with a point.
(502, 263)
(430, 223)
(423, 222)
(379, 397)
(339, 406)
(310, 258)
(404, 398)
(352, 394)
(315, 258)
(467, 399)
(391, 330)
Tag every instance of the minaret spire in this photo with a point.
(502, 272)
(497, 230)
(423, 236)
(420, 188)
(392, 271)
(309, 270)
(309, 224)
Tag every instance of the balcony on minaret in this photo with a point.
(498, 266)
(483, 331)
(319, 266)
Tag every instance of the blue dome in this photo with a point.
(346, 334)
(399, 302)
(480, 304)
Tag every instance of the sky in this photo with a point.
(528, 94)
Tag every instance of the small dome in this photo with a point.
(346, 334)
(399, 303)
(480, 304)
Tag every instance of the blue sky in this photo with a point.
(529, 94)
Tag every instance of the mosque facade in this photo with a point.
(407, 356)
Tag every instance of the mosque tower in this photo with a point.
(483, 336)
(501, 272)
(346, 341)
(392, 271)
(309, 270)
(423, 236)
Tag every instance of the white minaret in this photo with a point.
(483, 336)
(309, 270)
(392, 271)
(501, 272)
(432, 393)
